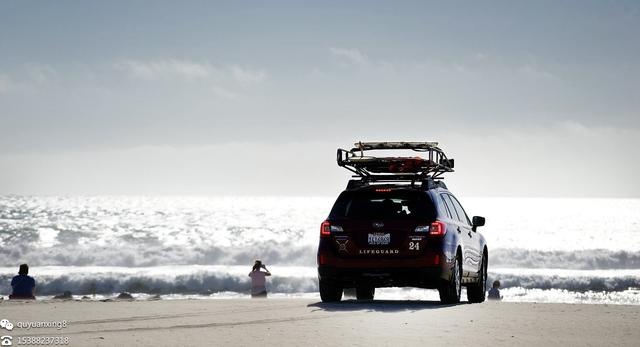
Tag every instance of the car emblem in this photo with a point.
(378, 224)
(342, 245)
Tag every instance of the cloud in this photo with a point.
(29, 78)
(169, 68)
(189, 70)
(577, 128)
(40, 74)
(534, 71)
(567, 159)
(351, 55)
(223, 93)
(6, 84)
(221, 81)
(246, 76)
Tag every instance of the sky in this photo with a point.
(532, 99)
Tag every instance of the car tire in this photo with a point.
(476, 292)
(450, 290)
(365, 293)
(330, 291)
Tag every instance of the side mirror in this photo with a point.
(477, 221)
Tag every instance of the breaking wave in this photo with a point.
(590, 259)
(139, 255)
(156, 280)
(213, 279)
(288, 253)
(574, 284)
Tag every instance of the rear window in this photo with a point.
(395, 204)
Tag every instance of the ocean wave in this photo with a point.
(204, 279)
(136, 255)
(156, 282)
(289, 253)
(575, 284)
(589, 259)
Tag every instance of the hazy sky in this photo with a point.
(139, 97)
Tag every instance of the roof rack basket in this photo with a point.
(369, 168)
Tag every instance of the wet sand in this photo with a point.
(298, 322)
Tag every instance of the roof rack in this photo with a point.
(390, 169)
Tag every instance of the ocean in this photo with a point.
(541, 249)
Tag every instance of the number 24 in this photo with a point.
(414, 246)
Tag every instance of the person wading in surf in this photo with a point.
(258, 280)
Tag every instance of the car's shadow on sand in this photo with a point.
(380, 305)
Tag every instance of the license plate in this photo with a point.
(379, 239)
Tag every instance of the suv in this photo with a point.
(397, 225)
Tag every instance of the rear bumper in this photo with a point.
(397, 277)
(423, 272)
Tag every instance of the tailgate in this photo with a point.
(379, 239)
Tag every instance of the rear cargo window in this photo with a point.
(383, 205)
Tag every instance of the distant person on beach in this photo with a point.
(258, 280)
(23, 285)
(494, 293)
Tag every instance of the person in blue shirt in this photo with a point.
(494, 293)
(23, 285)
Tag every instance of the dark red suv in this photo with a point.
(397, 225)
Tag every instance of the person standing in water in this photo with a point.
(258, 280)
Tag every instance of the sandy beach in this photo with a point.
(296, 322)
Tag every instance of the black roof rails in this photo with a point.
(393, 169)
(426, 184)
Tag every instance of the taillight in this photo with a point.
(437, 228)
(325, 229)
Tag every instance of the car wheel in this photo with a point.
(476, 292)
(450, 290)
(330, 291)
(365, 293)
